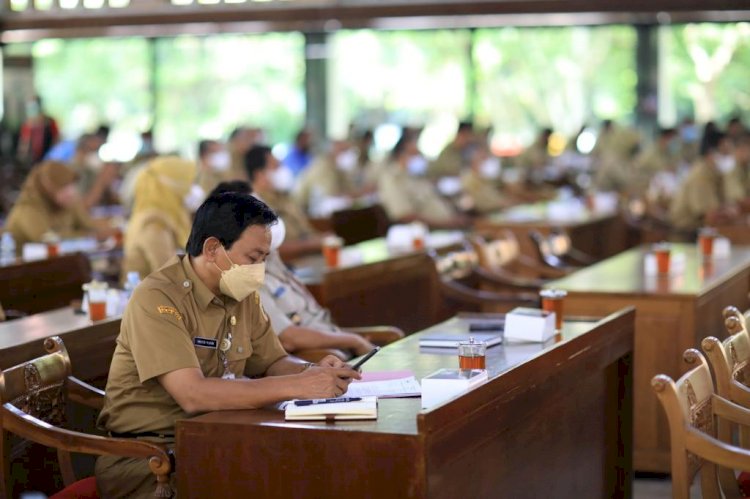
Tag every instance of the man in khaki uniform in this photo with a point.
(662, 155)
(451, 159)
(329, 175)
(701, 199)
(406, 198)
(480, 182)
(535, 157)
(214, 165)
(737, 181)
(193, 334)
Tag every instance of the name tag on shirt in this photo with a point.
(205, 342)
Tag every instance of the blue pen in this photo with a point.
(300, 403)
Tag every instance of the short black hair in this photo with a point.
(667, 132)
(465, 126)
(232, 186)
(711, 142)
(256, 159)
(204, 145)
(237, 131)
(103, 132)
(225, 216)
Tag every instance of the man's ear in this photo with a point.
(211, 247)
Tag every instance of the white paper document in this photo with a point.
(392, 388)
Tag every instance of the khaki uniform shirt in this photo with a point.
(149, 243)
(298, 226)
(611, 173)
(700, 193)
(484, 194)
(173, 321)
(652, 161)
(447, 164)
(403, 195)
(737, 184)
(29, 221)
(288, 302)
(321, 179)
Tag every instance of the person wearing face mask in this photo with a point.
(662, 155)
(737, 180)
(329, 175)
(481, 180)
(165, 197)
(49, 202)
(273, 189)
(214, 164)
(407, 198)
(95, 177)
(701, 199)
(194, 338)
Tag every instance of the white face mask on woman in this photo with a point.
(417, 166)
(240, 281)
(725, 163)
(219, 161)
(282, 179)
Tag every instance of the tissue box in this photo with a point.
(529, 324)
(445, 384)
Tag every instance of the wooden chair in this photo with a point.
(458, 281)
(355, 225)
(34, 396)
(502, 263)
(693, 409)
(562, 247)
(38, 286)
(377, 335)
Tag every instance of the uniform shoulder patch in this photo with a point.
(163, 309)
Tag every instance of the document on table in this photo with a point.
(386, 385)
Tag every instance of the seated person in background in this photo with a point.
(49, 202)
(268, 183)
(407, 198)
(194, 338)
(612, 156)
(240, 141)
(329, 175)
(160, 222)
(662, 155)
(480, 182)
(700, 199)
(95, 178)
(214, 164)
(300, 154)
(454, 156)
(295, 315)
(737, 180)
(535, 158)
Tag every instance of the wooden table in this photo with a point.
(674, 313)
(90, 344)
(374, 286)
(598, 234)
(552, 419)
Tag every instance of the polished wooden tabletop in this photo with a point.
(626, 274)
(538, 214)
(398, 416)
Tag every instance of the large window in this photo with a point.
(705, 72)
(407, 78)
(208, 86)
(562, 78)
(88, 82)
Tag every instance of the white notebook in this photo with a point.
(367, 408)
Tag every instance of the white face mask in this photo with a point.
(194, 198)
(93, 162)
(219, 161)
(240, 281)
(282, 179)
(490, 168)
(347, 160)
(278, 233)
(417, 166)
(725, 163)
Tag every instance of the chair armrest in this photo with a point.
(459, 292)
(504, 279)
(84, 394)
(315, 355)
(377, 335)
(740, 394)
(730, 411)
(716, 451)
(579, 257)
(542, 270)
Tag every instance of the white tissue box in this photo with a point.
(445, 384)
(529, 324)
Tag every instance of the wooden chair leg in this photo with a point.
(66, 467)
(6, 484)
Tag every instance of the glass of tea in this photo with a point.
(552, 301)
(332, 250)
(96, 292)
(662, 253)
(471, 354)
(706, 237)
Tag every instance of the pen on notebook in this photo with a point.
(326, 401)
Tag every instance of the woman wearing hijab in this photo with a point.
(160, 222)
(49, 202)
